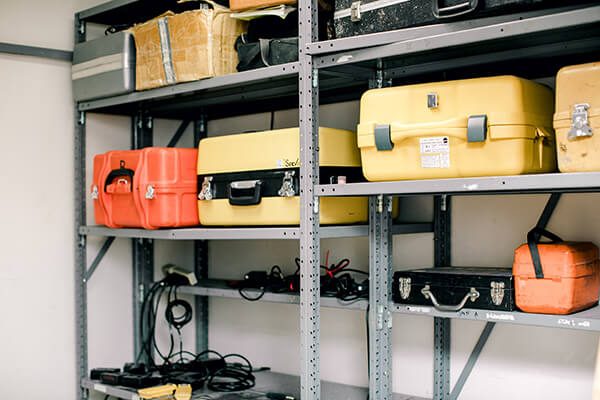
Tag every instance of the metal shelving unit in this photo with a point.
(541, 42)
(331, 71)
(267, 89)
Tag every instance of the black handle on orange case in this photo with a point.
(533, 238)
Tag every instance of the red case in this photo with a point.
(571, 278)
(149, 188)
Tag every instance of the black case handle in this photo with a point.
(119, 172)
(533, 238)
(244, 186)
(453, 11)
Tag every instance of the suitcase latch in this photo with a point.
(497, 292)
(206, 190)
(287, 187)
(580, 126)
(404, 284)
(150, 192)
(94, 192)
(355, 11)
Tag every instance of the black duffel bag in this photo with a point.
(265, 52)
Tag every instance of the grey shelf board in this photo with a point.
(399, 35)
(540, 183)
(266, 381)
(268, 88)
(326, 232)
(219, 288)
(558, 38)
(128, 12)
(587, 320)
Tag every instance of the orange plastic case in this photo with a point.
(571, 278)
(149, 188)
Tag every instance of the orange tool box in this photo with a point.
(149, 188)
(557, 277)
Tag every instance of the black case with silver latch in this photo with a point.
(455, 288)
(359, 17)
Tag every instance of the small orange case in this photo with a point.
(150, 188)
(571, 278)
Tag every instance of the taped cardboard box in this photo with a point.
(197, 44)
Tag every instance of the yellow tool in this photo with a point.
(183, 392)
(157, 391)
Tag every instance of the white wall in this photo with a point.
(37, 343)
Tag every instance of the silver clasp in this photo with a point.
(287, 187)
(580, 126)
(355, 11)
(497, 292)
(404, 287)
(150, 192)
(94, 192)
(206, 191)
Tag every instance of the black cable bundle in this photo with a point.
(219, 374)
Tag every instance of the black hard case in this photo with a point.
(386, 15)
(451, 284)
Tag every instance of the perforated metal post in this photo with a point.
(201, 260)
(442, 328)
(80, 240)
(309, 205)
(142, 249)
(380, 318)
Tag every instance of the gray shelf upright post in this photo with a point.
(201, 259)
(142, 249)
(80, 240)
(380, 276)
(380, 317)
(310, 303)
(442, 326)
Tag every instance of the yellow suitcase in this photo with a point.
(577, 118)
(254, 178)
(475, 127)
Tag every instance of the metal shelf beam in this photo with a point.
(588, 320)
(541, 183)
(400, 35)
(265, 382)
(326, 232)
(511, 30)
(219, 288)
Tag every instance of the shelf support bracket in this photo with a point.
(178, 134)
(103, 250)
(464, 375)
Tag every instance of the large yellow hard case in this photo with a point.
(476, 127)
(235, 163)
(577, 118)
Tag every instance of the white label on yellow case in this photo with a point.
(430, 161)
(445, 160)
(279, 163)
(435, 145)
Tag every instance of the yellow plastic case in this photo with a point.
(475, 127)
(577, 118)
(271, 151)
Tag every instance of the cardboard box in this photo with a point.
(197, 44)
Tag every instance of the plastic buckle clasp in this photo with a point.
(355, 11)
(287, 187)
(580, 126)
(206, 190)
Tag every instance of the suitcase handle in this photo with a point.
(455, 10)
(244, 186)
(533, 238)
(472, 295)
(115, 173)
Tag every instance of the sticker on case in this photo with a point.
(435, 152)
